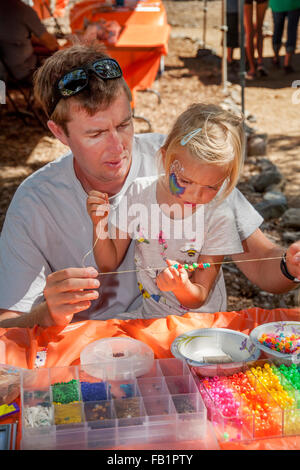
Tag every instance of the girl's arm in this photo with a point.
(193, 292)
(108, 252)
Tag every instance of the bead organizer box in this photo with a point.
(260, 400)
(67, 408)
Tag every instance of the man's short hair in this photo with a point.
(99, 94)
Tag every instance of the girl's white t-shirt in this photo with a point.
(210, 230)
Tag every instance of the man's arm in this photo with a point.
(267, 274)
(67, 292)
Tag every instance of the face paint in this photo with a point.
(174, 186)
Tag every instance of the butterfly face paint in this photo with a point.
(175, 170)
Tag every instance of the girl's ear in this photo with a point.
(162, 158)
(163, 153)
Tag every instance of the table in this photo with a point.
(142, 42)
(147, 12)
(19, 346)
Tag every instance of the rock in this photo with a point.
(270, 209)
(264, 180)
(291, 218)
(264, 164)
(257, 144)
(290, 237)
(277, 196)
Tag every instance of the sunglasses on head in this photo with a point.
(76, 80)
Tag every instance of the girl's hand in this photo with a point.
(97, 206)
(293, 259)
(172, 279)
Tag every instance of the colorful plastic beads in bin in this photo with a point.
(259, 401)
(281, 343)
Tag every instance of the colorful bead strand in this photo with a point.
(192, 267)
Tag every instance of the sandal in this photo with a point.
(276, 62)
(250, 76)
(262, 72)
(289, 69)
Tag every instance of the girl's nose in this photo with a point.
(198, 193)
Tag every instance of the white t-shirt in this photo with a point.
(47, 228)
(210, 230)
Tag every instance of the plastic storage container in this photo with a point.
(67, 408)
(121, 358)
(260, 400)
(9, 383)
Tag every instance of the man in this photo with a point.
(20, 29)
(47, 231)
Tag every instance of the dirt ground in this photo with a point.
(186, 79)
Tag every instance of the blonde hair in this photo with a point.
(220, 141)
(99, 94)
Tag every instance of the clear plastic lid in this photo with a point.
(117, 358)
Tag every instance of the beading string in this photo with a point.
(209, 265)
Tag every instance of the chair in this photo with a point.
(25, 90)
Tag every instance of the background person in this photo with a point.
(254, 37)
(20, 26)
(290, 10)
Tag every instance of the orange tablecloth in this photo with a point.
(19, 346)
(142, 42)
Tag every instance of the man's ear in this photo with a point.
(58, 132)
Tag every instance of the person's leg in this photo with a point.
(232, 36)
(292, 29)
(229, 55)
(261, 8)
(249, 37)
(278, 22)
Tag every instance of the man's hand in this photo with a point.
(293, 259)
(171, 278)
(70, 291)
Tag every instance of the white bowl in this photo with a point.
(285, 327)
(215, 349)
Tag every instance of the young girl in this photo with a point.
(179, 218)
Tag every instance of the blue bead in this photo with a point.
(93, 391)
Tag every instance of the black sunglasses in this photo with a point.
(77, 79)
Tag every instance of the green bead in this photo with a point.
(175, 265)
(195, 265)
(186, 266)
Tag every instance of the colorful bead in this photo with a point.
(281, 343)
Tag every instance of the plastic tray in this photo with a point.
(162, 405)
(239, 421)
